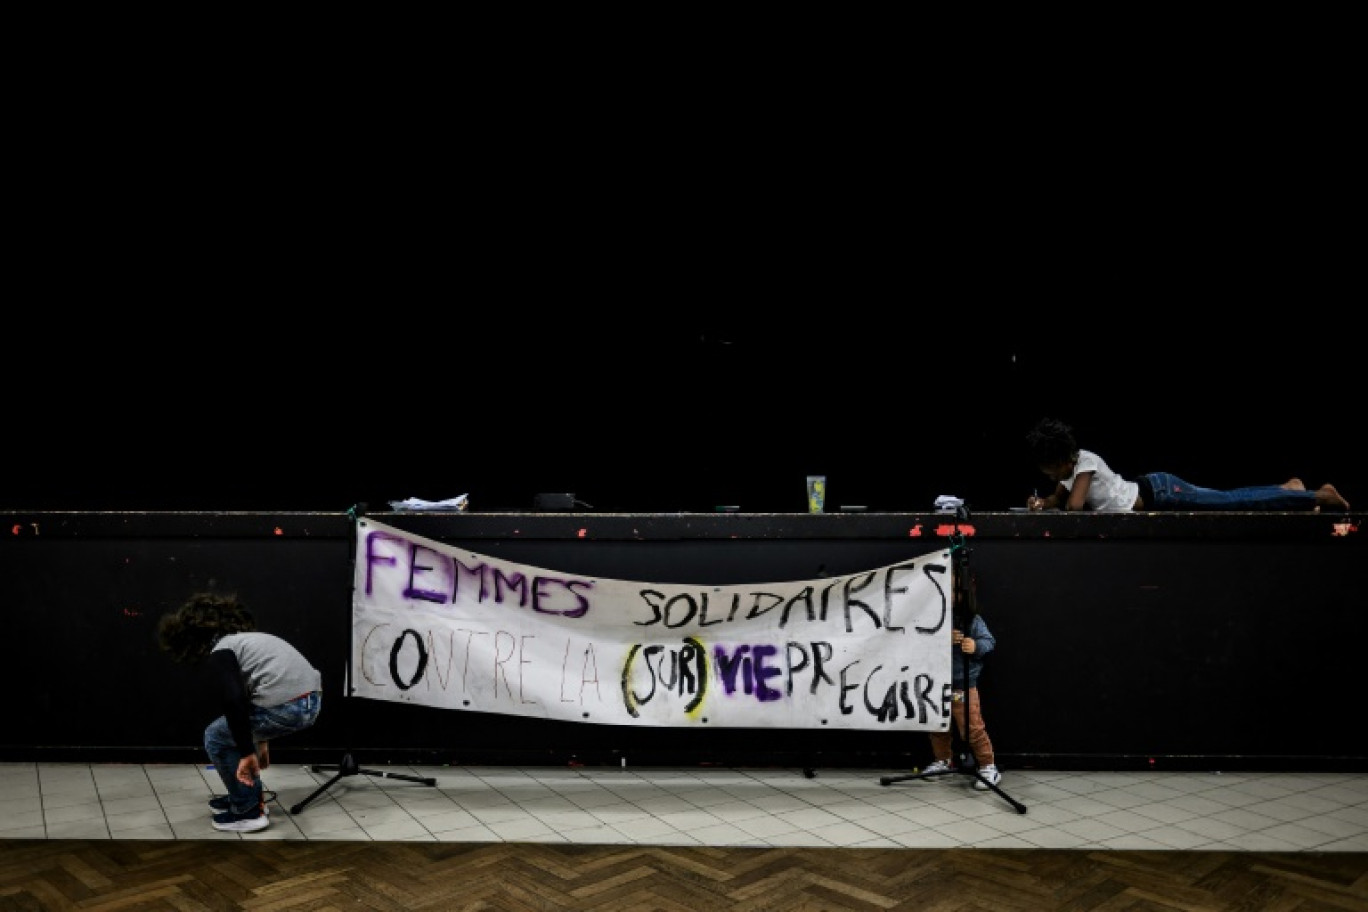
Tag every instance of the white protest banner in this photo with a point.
(445, 627)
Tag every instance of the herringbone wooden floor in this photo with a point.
(181, 875)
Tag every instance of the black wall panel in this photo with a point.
(1195, 641)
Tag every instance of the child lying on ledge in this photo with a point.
(1083, 481)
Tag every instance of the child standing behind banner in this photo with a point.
(969, 648)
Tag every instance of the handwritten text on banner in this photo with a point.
(441, 626)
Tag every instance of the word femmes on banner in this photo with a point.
(414, 571)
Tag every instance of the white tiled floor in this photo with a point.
(1323, 812)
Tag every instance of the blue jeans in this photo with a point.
(268, 723)
(1172, 493)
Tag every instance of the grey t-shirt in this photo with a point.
(273, 671)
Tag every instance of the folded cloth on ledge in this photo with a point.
(948, 503)
(455, 504)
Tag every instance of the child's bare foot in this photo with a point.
(1293, 484)
(1327, 496)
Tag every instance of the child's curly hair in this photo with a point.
(190, 632)
(1051, 442)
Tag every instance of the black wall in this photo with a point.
(668, 415)
(694, 293)
(687, 296)
(1185, 641)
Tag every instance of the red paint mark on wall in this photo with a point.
(915, 531)
(583, 533)
(945, 531)
(279, 531)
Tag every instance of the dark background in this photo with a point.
(263, 281)
(668, 416)
(268, 291)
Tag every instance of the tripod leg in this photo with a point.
(347, 767)
(424, 780)
(889, 780)
(1020, 808)
(299, 808)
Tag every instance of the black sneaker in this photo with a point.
(219, 803)
(250, 822)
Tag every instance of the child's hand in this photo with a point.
(968, 646)
(248, 769)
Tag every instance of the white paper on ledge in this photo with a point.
(455, 504)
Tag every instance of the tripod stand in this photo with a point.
(349, 766)
(963, 611)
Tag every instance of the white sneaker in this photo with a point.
(991, 774)
(935, 769)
